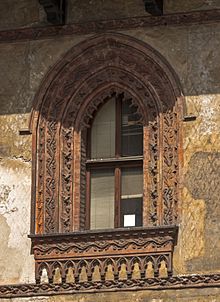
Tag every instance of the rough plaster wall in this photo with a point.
(16, 264)
(21, 13)
(173, 6)
(200, 79)
(28, 13)
(90, 10)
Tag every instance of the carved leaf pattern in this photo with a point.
(170, 168)
(40, 185)
(66, 175)
(51, 165)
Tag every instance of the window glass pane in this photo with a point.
(102, 199)
(103, 132)
(132, 130)
(131, 212)
(132, 182)
(131, 197)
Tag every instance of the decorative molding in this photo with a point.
(47, 289)
(101, 67)
(177, 19)
(104, 66)
(137, 249)
(108, 240)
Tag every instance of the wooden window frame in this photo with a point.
(117, 163)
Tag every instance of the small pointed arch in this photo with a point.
(163, 258)
(113, 263)
(82, 272)
(56, 264)
(149, 259)
(163, 265)
(96, 269)
(149, 267)
(43, 268)
(69, 264)
(122, 262)
(82, 263)
(134, 260)
(69, 270)
(58, 273)
(136, 265)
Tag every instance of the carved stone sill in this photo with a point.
(103, 255)
(177, 282)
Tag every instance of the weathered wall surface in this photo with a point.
(171, 6)
(21, 13)
(26, 13)
(194, 53)
(16, 264)
(81, 11)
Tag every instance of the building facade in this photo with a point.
(109, 150)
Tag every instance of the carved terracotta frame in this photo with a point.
(69, 96)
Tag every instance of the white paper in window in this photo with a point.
(129, 220)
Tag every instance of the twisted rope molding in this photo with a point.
(48, 32)
(46, 289)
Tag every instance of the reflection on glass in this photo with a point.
(132, 130)
(102, 199)
(103, 132)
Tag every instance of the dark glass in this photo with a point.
(131, 212)
(131, 130)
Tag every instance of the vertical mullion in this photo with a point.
(118, 108)
(88, 197)
(117, 196)
(88, 181)
(88, 142)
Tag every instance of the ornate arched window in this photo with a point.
(114, 166)
(106, 158)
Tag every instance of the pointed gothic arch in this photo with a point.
(68, 98)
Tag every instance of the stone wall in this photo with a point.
(193, 52)
(22, 13)
(171, 6)
(81, 11)
(26, 13)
